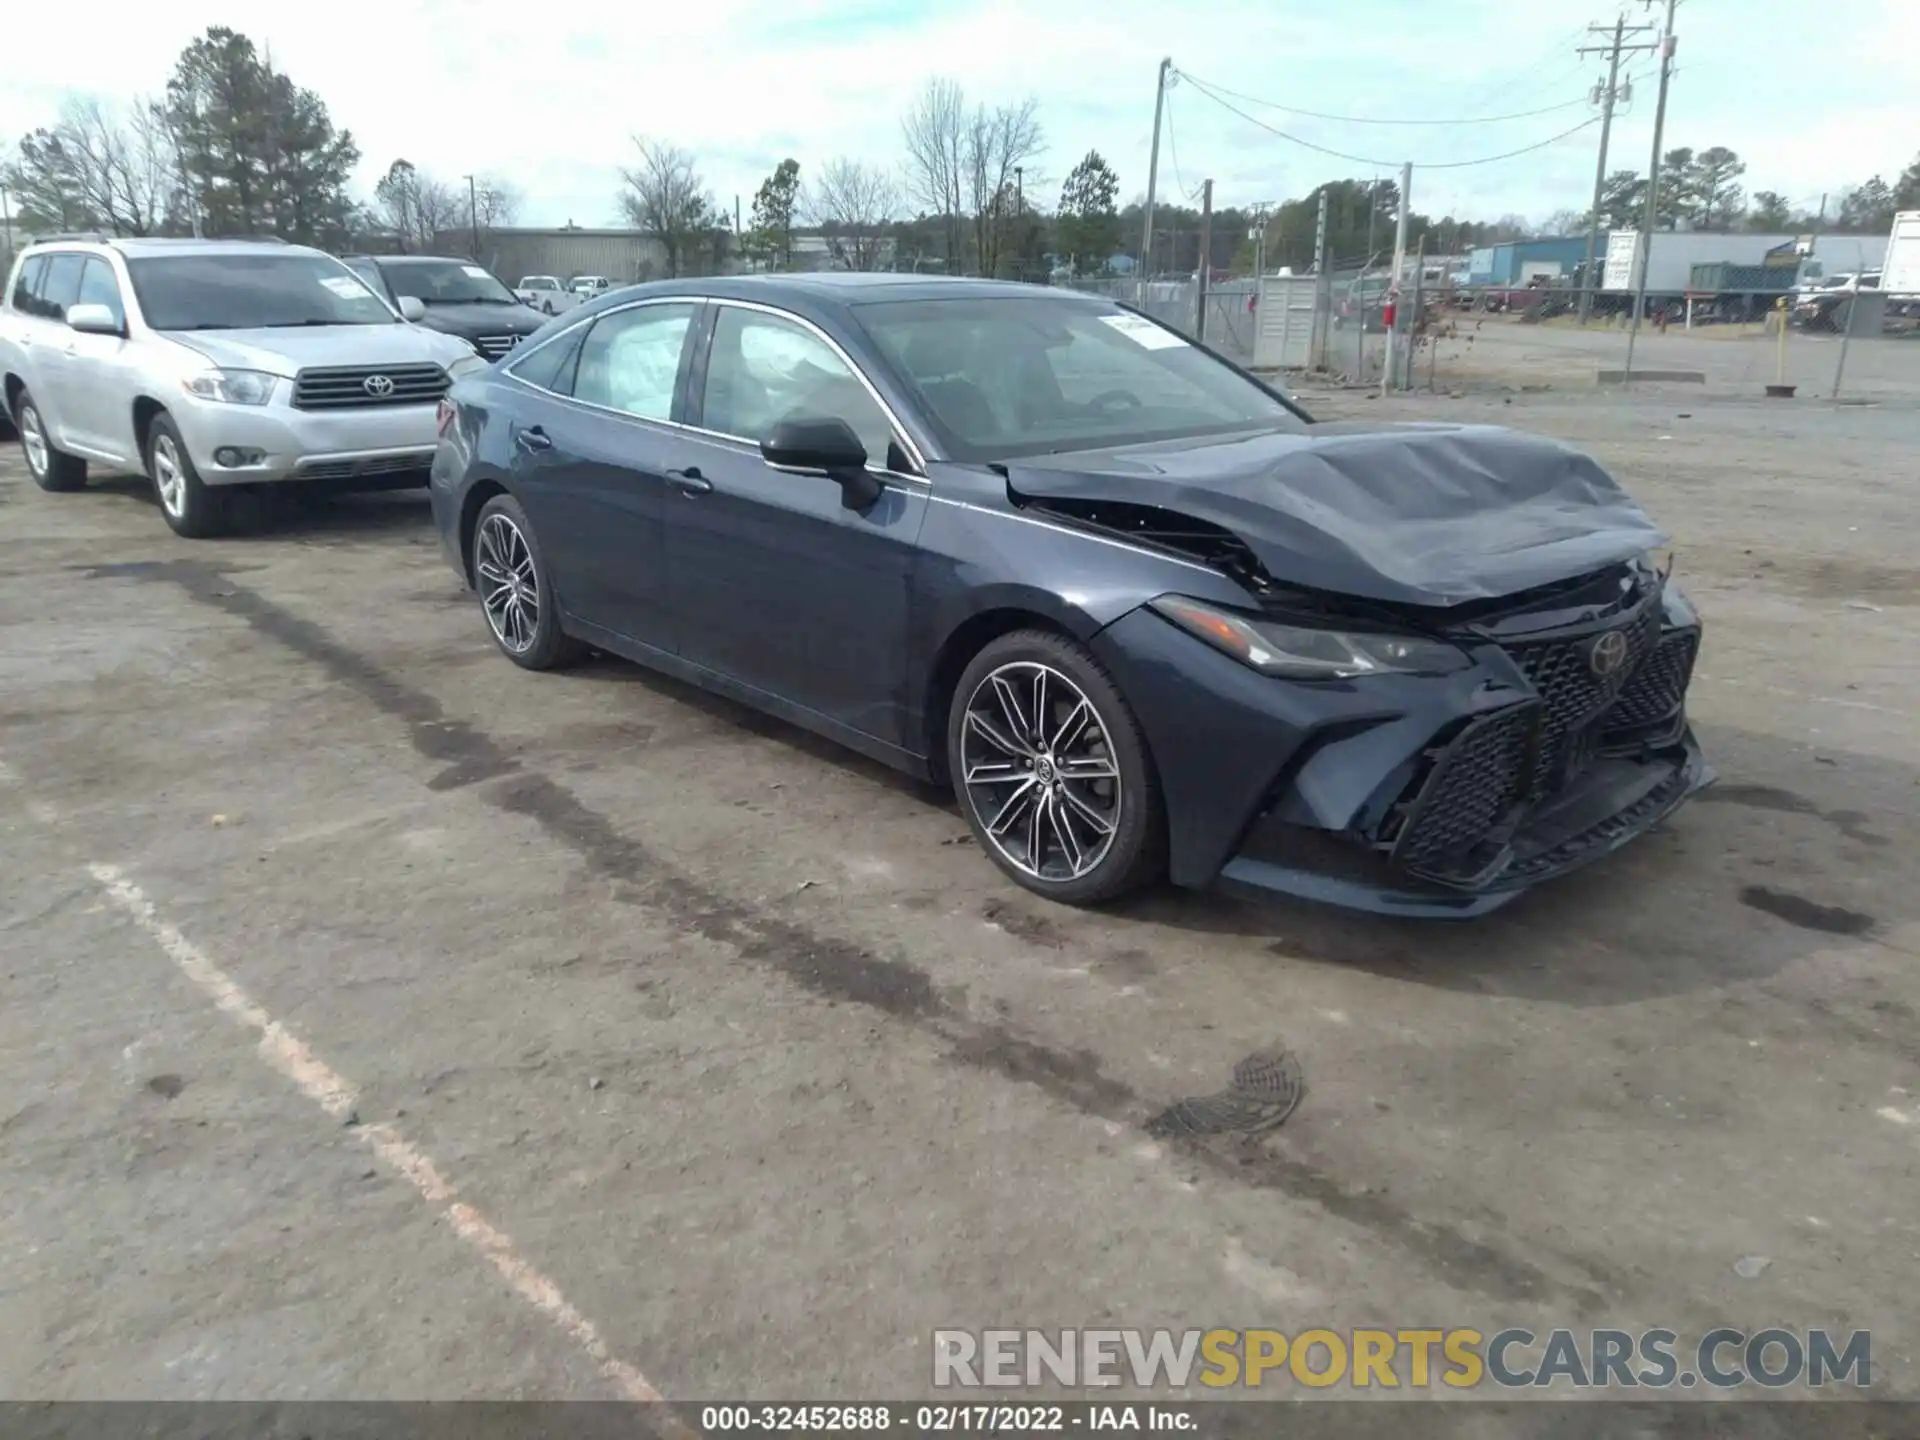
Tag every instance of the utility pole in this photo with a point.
(6, 228)
(1387, 376)
(1588, 281)
(1322, 286)
(1206, 262)
(473, 219)
(1153, 166)
(1644, 246)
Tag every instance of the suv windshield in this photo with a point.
(446, 282)
(247, 291)
(1004, 378)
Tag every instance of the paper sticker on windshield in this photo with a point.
(1143, 332)
(478, 272)
(345, 286)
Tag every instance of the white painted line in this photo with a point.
(288, 1054)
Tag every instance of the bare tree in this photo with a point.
(414, 207)
(664, 195)
(999, 143)
(496, 202)
(853, 204)
(935, 130)
(101, 167)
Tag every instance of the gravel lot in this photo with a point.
(768, 1073)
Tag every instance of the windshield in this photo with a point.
(539, 282)
(447, 282)
(1004, 378)
(245, 291)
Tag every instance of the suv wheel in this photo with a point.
(193, 508)
(51, 469)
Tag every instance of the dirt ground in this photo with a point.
(377, 1020)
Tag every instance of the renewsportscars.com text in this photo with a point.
(1421, 1358)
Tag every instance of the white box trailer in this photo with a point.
(1900, 266)
(1675, 253)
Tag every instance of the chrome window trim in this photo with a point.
(901, 432)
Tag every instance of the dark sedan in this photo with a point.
(1145, 615)
(451, 295)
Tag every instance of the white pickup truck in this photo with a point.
(546, 294)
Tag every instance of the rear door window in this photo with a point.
(551, 366)
(630, 360)
(26, 285)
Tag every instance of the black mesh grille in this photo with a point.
(360, 387)
(1572, 696)
(1607, 833)
(1471, 787)
(1657, 687)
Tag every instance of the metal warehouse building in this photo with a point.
(1517, 261)
(623, 256)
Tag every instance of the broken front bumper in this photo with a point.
(1441, 796)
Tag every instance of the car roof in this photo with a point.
(836, 289)
(414, 259)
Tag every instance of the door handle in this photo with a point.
(690, 481)
(533, 439)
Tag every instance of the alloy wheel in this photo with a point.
(33, 439)
(1040, 771)
(169, 478)
(509, 588)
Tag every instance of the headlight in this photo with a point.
(467, 365)
(233, 387)
(1299, 653)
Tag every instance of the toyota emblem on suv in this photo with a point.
(378, 386)
(1609, 653)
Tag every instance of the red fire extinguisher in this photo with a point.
(1386, 314)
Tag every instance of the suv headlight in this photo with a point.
(1300, 653)
(233, 387)
(467, 365)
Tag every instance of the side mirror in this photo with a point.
(411, 307)
(94, 320)
(826, 443)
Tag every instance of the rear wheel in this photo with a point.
(51, 469)
(516, 591)
(193, 508)
(1052, 771)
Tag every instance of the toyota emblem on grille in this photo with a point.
(1608, 654)
(378, 386)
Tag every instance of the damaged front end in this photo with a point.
(1578, 745)
(1560, 735)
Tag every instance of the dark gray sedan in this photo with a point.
(1143, 614)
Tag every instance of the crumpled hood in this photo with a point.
(286, 351)
(1428, 514)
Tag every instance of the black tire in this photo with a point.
(56, 470)
(193, 509)
(533, 643)
(1135, 853)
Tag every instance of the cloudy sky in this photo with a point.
(549, 99)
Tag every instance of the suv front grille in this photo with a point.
(363, 387)
(494, 346)
(1471, 786)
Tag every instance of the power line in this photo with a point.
(1187, 192)
(1370, 120)
(1374, 161)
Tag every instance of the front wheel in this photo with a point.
(193, 509)
(1052, 771)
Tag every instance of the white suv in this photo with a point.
(209, 364)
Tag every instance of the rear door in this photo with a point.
(776, 584)
(53, 376)
(593, 443)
